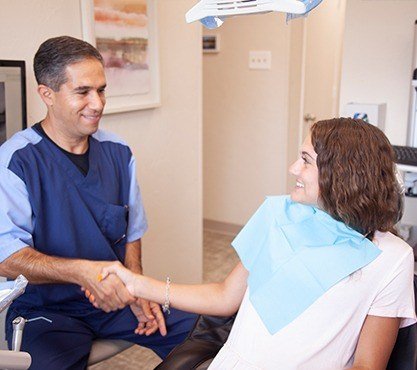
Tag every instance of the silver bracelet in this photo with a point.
(165, 306)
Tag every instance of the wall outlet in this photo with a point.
(260, 60)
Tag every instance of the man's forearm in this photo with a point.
(133, 258)
(40, 268)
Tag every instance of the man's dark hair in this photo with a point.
(55, 54)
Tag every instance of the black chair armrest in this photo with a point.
(403, 356)
(202, 344)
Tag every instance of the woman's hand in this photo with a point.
(150, 317)
(130, 279)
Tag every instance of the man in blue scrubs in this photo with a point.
(70, 204)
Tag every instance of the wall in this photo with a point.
(245, 118)
(377, 59)
(296, 93)
(166, 141)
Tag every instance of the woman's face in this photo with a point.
(305, 170)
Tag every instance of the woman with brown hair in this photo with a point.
(323, 283)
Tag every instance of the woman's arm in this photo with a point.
(376, 341)
(221, 299)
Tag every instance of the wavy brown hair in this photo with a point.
(357, 181)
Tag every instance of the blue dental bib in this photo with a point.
(294, 254)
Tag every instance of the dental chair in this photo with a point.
(209, 334)
(102, 349)
(14, 359)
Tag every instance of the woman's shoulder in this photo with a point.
(392, 245)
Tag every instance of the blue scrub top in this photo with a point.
(48, 204)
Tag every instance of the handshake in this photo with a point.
(110, 286)
(125, 275)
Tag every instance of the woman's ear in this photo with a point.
(46, 94)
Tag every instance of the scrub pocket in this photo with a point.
(114, 222)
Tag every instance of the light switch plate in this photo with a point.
(260, 60)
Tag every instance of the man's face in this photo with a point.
(78, 105)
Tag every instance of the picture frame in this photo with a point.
(13, 110)
(211, 43)
(130, 51)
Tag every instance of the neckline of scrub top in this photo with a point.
(80, 160)
(68, 166)
(294, 254)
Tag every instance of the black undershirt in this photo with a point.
(80, 160)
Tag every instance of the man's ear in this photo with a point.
(46, 94)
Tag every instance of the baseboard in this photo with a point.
(221, 227)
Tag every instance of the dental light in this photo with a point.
(212, 13)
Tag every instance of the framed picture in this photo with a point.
(211, 43)
(125, 33)
(12, 98)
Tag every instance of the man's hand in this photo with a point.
(150, 317)
(109, 294)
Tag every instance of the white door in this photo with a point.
(323, 38)
(315, 67)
